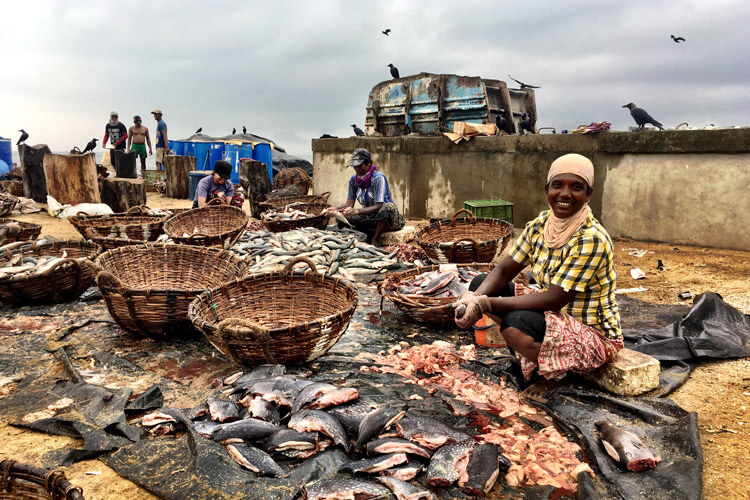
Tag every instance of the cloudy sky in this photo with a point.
(293, 70)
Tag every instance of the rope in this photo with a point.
(259, 334)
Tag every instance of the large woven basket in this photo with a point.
(317, 219)
(211, 226)
(7, 202)
(291, 176)
(281, 317)
(435, 310)
(147, 288)
(26, 482)
(460, 241)
(13, 187)
(135, 224)
(280, 203)
(64, 281)
(29, 231)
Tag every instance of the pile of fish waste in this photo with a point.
(337, 253)
(18, 265)
(447, 281)
(409, 253)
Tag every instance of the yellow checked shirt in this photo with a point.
(584, 264)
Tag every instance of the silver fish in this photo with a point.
(222, 411)
(449, 463)
(404, 490)
(338, 487)
(374, 465)
(249, 430)
(429, 432)
(316, 420)
(255, 460)
(377, 421)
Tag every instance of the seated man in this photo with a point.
(215, 186)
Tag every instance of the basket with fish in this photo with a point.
(23, 482)
(283, 316)
(427, 293)
(147, 288)
(29, 231)
(135, 224)
(295, 216)
(469, 239)
(211, 226)
(7, 202)
(45, 272)
(279, 203)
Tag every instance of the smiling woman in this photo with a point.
(570, 322)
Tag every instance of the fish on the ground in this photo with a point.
(405, 472)
(340, 488)
(205, 427)
(429, 432)
(281, 390)
(482, 471)
(449, 462)
(255, 460)
(352, 414)
(222, 411)
(317, 420)
(332, 398)
(375, 464)
(288, 439)
(249, 429)
(259, 408)
(626, 448)
(396, 445)
(377, 421)
(406, 491)
(157, 418)
(310, 394)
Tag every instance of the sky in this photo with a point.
(294, 70)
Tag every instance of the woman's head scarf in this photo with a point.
(557, 231)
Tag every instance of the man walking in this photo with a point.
(162, 143)
(116, 132)
(138, 134)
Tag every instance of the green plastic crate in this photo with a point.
(493, 209)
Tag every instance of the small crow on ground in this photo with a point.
(234, 130)
(357, 131)
(677, 39)
(200, 129)
(524, 85)
(386, 31)
(90, 146)
(526, 124)
(244, 129)
(394, 71)
(23, 137)
(641, 117)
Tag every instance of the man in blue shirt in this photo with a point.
(162, 143)
(215, 186)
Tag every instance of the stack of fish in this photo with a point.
(448, 281)
(270, 419)
(337, 253)
(18, 265)
(287, 213)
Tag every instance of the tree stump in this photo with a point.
(178, 180)
(255, 181)
(122, 194)
(72, 178)
(32, 165)
(124, 164)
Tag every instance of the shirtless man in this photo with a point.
(139, 136)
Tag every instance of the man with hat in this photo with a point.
(162, 143)
(137, 139)
(371, 189)
(115, 132)
(215, 186)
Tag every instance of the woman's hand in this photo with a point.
(350, 211)
(473, 307)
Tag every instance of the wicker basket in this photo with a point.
(317, 219)
(29, 231)
(280, 203)
(470, 239)
(7, 202)
(13, 187)
(435, 310)
(26, 482)
(212, 226)
(65, 281)
(147, 288)
(135, 224)
(280, 317)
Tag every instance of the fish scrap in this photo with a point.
(625, 447)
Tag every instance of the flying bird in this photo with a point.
(525, 123)
(394, 71)
(234, 130)
(641, 117)
(357, 131)
(90, 146)
(677, 39)
(244, 129)
(200, 129)
(386, 31)
(524, 85)
(23, 137)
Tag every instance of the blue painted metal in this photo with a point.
(262, 153)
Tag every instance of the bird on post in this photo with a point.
(386, 31)
(525, 123)
(244, 129)
(677, 39)
(394, 71)
(357, 131)
(504, 125)
(90, 146)
(234, 130)
(23, 137)
(200, 129)
(641, 117)
(524, 85)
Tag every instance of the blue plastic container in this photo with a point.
(177, 147)
(4, 169)
(188, 148)
(262, 153)
(6, 151)
(232, 155)
(195, 177)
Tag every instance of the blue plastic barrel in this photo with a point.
(177, 147)
(262, 153)
(4, 169)
(6, 151)
(188, 148)
(232, 155)
(215, 153)
(202, 156)
(195, 177)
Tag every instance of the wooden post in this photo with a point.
(178, 169)
(254, 179)
(32, 165)
(72, 178)
(124, 164)
(122, 194)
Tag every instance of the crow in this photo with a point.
(90, 146)
(200, 129)
(677, 39)
(357, 131)
(641, 117)
(386, 31)
(394, 71)
(244, 129)
(23, 137)
(234, 130)
(526, 124)
(524, 85)
(503, 124)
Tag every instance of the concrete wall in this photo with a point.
(686, 187)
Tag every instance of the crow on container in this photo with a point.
(394, 71)
(641, 117)
(244, 129)
(357, 131)
(526, 124)
(23, 137)
(90, 146)
(234, 130)
(200, 129)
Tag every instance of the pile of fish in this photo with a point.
(409, 253)
(337, 253)
(448, 281)
(293, 211)
(18, 265)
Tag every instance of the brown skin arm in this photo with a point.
(130, 138)
(166, 141)
(148, 141)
